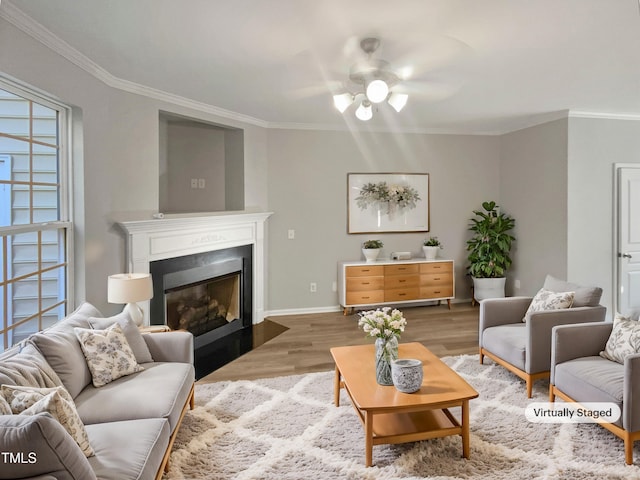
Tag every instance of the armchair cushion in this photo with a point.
(623, 341)
(548, 300)
(591, 379)
(585, 296)
(509, 342)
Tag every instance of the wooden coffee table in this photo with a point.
(390, 416)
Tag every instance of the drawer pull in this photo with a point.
(365, 270)
(365, 283)
(365, 298)
(401, 294)
(401, 281)
(437, 278)
(437, 291)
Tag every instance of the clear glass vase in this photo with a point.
(386, 352)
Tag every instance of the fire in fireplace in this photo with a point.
(210, 295)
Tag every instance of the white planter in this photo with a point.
(371, 254)
(430, 253)
(488, 288)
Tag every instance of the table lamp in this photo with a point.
(130, 288)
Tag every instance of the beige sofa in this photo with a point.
(131, 422)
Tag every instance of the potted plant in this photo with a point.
(371, 249)
(430, 248)
(489, 249)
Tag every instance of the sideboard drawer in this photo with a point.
(364, 271)
(401, 269)
(401, 294)
(440, 291)
(360, 284)
(363, 298)
(436, 267)
(401, 281)
(435, 279)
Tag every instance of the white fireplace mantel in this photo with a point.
(187, 234)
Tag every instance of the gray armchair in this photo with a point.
(580, 374)
(524, 348)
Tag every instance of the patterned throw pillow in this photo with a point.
(55, 401)
(548, 300)
(108, 354)
(624, 339)
(5, 408)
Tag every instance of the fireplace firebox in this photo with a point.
(210, 295)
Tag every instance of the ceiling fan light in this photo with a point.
(377, 91)
(398, 100)
(342, 101)
(364, 111)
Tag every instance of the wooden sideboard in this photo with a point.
(394, 282)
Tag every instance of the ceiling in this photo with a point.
(487, 66)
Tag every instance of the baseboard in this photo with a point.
(302, 311)
(338, 308)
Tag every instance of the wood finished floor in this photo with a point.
(296, 344)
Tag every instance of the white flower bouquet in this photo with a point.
(382, 323)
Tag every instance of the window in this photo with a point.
(35, 227)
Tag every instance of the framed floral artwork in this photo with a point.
(387, 202)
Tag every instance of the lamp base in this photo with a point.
(135, 312)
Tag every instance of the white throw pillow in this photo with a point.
(57, 402)
(624, 339)
(548, 300)
(108, 354)
(131, 331)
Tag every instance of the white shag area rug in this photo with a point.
(288, 428)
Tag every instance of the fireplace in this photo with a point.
(185, 250)
(210, 295)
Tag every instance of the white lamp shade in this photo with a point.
(342, 101)
(364, 112)
(398, 100)
(129, 287)
(377, 91)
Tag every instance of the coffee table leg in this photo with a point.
(368, 439)
(336, 388)
(465, 428)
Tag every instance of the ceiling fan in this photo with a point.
(373, 82)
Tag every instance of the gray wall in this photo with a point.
(595, 145)
(533, 189)
(307, 191)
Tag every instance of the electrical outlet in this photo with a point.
(516, 284)
(334, 287)
(194, 183)
(291, 234)
(313, 287)
(201, 183)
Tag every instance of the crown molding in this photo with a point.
(604, 116)
(23, 22)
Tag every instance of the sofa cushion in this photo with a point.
(623, 341)
(55, 451)
(128, 450)
(108, 354)
(591, 379)
(508, 342)
(25, 365)
(55, 401)
(585, 296)
(131, 331)
(62, 351)
(159, 391)
(548, 300)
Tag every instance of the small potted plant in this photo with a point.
(430, 248)
(371, 249)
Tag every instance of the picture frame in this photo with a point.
(387, 202)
